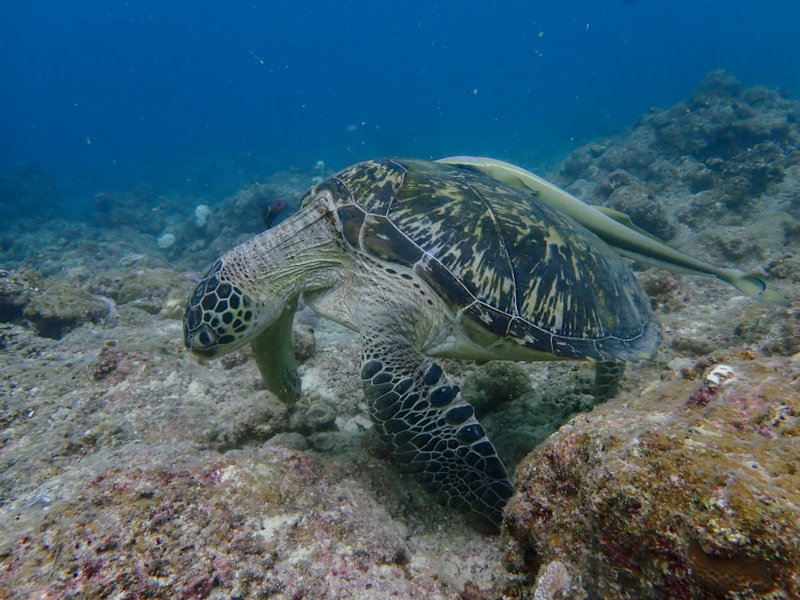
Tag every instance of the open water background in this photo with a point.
(203, 94)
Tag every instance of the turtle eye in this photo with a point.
(205, 337)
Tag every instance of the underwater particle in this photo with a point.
(165, 240)
(719, 375)
(201, 214)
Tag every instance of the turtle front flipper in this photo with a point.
(274, 353)
(432, 431)
(607, 376)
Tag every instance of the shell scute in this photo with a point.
(374, 184)
(381, 238)
(443, 282)
(491, 319)
(445, 216)
(510, 264)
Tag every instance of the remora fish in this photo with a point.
(617, 230)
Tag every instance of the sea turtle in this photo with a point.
(427, 260)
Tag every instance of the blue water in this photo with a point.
(104, 92)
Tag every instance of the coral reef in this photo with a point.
(556, 580)
(521, 405)
(129, 469)
(117, 208)
(494, 383)
(128, 466)
(259, 205)
(277, 524)
(52, 309)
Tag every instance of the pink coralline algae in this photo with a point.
(277, 525)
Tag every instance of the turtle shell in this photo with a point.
(501, 259)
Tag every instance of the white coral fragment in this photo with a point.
(201, 214)
(165, 240)
(719, 375)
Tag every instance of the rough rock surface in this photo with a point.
(131, 470)
(677, 491)
(277, 524)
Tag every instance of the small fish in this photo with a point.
(269, 212)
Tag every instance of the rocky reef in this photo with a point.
(726, 161)
(130, 469)
(681, 487)
(277, 524)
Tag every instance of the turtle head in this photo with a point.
(249, 295)
(220, 317)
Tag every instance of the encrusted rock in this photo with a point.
(279, 526)
(150, 288)
(785, 267)
(644, 209)
(695, 346)
(556, 581)
(305, 344)
(16, 289)
(62, 307)
(726, 149)
(662, 498)
(319, 416)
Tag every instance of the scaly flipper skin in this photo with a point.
(432, 431)
(274, 354)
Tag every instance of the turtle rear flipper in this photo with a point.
(420, 414)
